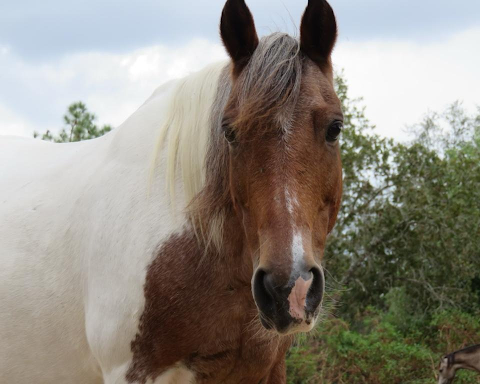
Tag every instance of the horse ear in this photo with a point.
(318, 31)
(238, 32)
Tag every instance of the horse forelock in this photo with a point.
(268, 88)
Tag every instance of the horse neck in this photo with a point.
(225, 241)
(234, 252)
(468, 360)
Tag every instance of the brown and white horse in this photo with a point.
(467, 358)
(186, 245)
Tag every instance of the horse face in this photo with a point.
(446, 373)
(282, 123)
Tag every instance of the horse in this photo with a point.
(186, 245)
(467, 358)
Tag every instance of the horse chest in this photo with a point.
(198, 319)
(250, 362)
(234, 347)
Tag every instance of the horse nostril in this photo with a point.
(269, 285)
(307, 274)
(262, 291)
(315, 294)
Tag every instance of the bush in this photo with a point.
(372, 350)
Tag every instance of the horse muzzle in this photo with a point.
(292, 307)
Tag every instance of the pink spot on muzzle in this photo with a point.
(298, 297)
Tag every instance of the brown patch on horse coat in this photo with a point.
(203, 315)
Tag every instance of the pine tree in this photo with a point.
(80, 125)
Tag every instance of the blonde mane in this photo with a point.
(186, 131)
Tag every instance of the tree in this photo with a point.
(410, 218)
(80, 125)
(367, 179)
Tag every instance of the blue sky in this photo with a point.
(404, 57)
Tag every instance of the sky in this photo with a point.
(404, 57)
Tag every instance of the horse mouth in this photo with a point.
(287, 325)
(292, 307)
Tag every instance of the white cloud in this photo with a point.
(399, 81)
(12, 124)
(112, 85)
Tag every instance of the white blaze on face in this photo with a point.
(292, 202)
(298, 295)
(297, 251)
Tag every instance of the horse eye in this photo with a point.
(334, 130)
(229, 133)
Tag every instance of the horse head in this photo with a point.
(282, 122)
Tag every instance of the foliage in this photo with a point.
(367, 172)
(80, 125)
(372, 350)
(410, 217)
(455, 330)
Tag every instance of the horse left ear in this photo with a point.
(238, 32)
(318, 32)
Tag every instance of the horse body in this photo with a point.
(186, 245)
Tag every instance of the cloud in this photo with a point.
(53, 28)
(399, 80)
(35, 97)
(12, 124)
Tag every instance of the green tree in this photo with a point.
(367, 177)
(436, 253)
(80, 125)
(410, 217)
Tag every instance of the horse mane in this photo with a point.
(193, 137)
(450, 359)
(451, 356)
(186, 130)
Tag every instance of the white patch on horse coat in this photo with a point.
(79, 224)
(177, 375)
(290, 202)
(298, 295)
(297, 250)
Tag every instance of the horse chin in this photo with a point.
(287, 325)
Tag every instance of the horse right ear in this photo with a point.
(318, 31)
(238, 32)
